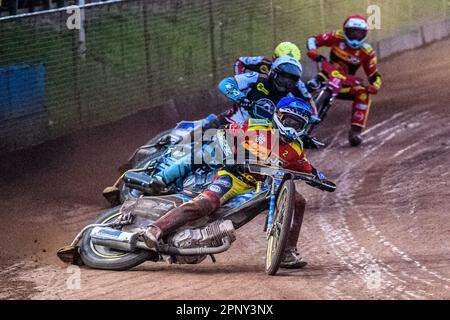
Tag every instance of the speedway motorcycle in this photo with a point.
(162, 151)
(115, 242)
(336, 80)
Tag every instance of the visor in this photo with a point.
(291, 121)
(286, 80)
(355, 33)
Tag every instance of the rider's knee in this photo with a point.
(205, 204)
(363, 99)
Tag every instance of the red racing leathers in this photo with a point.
(350, 60)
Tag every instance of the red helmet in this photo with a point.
(355, 30)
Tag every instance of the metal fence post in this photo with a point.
(76, 87)
(147, 40)
(322, 16)
(82, 37)
(272, 20)
(212, 42)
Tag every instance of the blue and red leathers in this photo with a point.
(260, 139)
(255, 86)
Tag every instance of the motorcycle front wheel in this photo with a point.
(282, 220)
(100, 257)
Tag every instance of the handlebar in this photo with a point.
(310, 179)
(335, 72)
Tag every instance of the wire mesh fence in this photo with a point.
(136, 54)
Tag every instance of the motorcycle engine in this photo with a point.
(197, 182)
(209, 236)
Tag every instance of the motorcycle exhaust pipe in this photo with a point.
(128, 242)
(166, 249)
(226, 244)
(114, 239)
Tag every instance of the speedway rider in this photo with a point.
(244, 90)
(349, 50)
(291, 118)
(247, 88)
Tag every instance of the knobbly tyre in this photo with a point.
(114, 241)
(324, 97)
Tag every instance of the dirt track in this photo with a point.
(385, 234)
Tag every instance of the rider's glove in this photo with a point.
(308, 142)
(315, 56)
(320, 175)
(245, 103)
(321, 182)
(371, 89)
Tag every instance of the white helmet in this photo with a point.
(355, 31)
(285, 72)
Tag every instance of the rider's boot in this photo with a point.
(292, 259)
(198, 207)
(354, 136)
(151, 236)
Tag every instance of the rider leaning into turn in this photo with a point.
(349, 50)
(291, 118)
(244, 90)
(282, 80)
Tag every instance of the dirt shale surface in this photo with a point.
(384, 234)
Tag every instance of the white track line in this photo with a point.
(347, 238)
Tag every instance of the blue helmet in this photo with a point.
(292, 117)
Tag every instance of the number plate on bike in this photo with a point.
(336, 83)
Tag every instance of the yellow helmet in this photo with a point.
(288, 48)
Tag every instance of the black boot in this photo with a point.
(354, 136)
(292, 259)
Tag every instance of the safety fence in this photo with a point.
(126, 56)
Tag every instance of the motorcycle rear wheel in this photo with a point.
(322, 102)
(284, 213)
(99, 257)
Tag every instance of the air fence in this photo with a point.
(61, 72)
